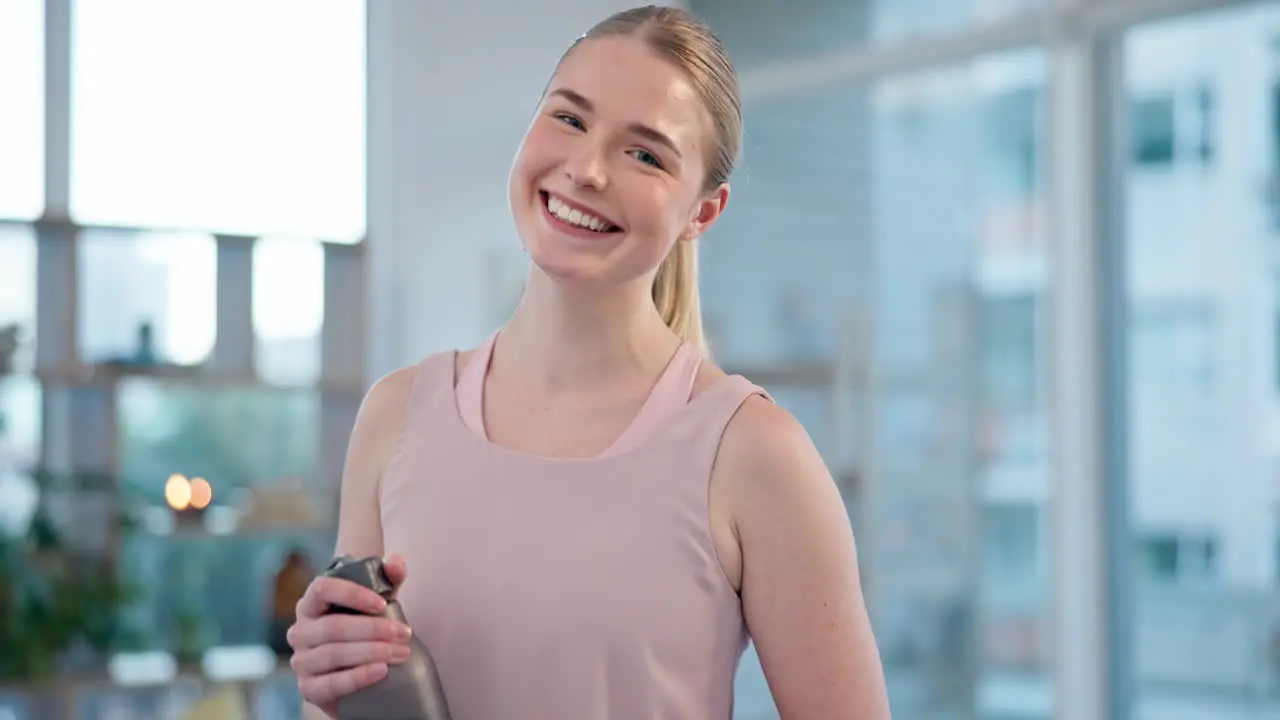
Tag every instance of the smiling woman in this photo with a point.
(585, 517)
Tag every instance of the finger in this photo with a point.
(344, 656)
(396, 569)
(324, 689)
(325, 592)
(346, 628)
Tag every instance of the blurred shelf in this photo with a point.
(107, 374)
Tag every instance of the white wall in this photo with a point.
(452, 87)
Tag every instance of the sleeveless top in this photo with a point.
(567, 589)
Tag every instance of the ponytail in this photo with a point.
(675, 293)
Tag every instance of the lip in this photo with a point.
(547, 194)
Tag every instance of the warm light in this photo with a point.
(177, 492)
(201, 493)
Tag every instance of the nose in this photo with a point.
(587, 167)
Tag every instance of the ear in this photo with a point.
(706, 212)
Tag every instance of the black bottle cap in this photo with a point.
(366, 572)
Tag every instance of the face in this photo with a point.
(611, 173)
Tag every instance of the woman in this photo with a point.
(588, 519)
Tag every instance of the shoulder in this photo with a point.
(768, 461)
(770, 447)
(760, 433)
(388, 397)
(381, 415)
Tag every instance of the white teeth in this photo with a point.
(574, 217)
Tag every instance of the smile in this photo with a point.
(576, 217)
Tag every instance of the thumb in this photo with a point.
(395, 568)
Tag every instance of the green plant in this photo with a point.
(53, 597)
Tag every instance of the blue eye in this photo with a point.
(568, 119)
(647, 157)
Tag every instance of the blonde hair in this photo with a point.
(680, 38)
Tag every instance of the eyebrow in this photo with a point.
(640, 129)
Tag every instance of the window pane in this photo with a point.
(232, 436)
(959, 257)
(22, 120)
(759, 31)
(20, 436)
(1204, 407)
(17, 299)
(213, 591)
(246, 442)
(260, 126)
(288, 309)
(147, 298)
(20, 422)
(912, 207)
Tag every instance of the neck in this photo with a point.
(568, 337)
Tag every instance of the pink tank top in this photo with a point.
(567, 589)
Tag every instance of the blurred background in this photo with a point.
(1014, 263)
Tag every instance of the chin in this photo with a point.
(565, 264)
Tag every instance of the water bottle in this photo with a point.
(412, 689)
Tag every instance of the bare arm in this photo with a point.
(800, 590)
(373, 442)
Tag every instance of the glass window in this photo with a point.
(210, 590)
(260, 126)
(1009, 327)
(759, 31)
(233, 436)
(22, 121)
(1154, 134)
(1202, 410)
(288, 309)
(20, 437)
(146, 298)
(960, 255)
(20, 422)
(17, 299)
(246, 443)
(1012, 541)
(913, 206)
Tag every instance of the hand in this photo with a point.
(337, 654)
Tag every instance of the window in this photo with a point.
(1012, 543)
(1009, 327)
(288, 309)
(215, 591)
(22, 119)
(1160, 558)
(1273, 180)
(1013, 131)
(241, 440)
(17, 299)
(1179, 558)
(1154, 140)
(1174, 127)
(1203, 124)
(250, 134)
(20, 423)
(889, 192)
(147, 298)
(20, 392)
(1275, 123)
(234, 437)
(758, 31)
(20, 436)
